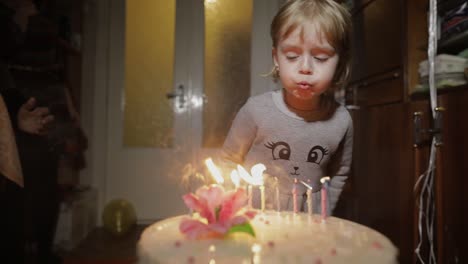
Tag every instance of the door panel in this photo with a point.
(154, 142)
(227, 65)
(382, 173)
(147, 144)
(149, 73)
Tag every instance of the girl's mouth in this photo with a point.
(304, 85)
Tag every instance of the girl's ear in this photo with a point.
(273, 54)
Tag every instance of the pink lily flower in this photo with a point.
(220, 209)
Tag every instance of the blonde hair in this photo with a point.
(331, 18)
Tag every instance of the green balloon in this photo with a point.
(118, 217)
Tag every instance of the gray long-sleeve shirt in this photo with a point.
(266, 131)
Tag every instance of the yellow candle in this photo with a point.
(262, 197)
(294, 194)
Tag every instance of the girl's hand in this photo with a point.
(32, 119)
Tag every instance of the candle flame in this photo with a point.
(215, 172)
(235, 178)
(325, 179)
(307, 185)
(257, 174)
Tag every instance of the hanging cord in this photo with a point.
(431, 53)
(427, 208)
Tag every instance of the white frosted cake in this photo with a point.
(224, 230)
(282, 237)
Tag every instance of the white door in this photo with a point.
(148, 173)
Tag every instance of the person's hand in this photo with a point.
(24, 9)
(32, 119)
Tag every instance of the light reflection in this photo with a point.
(256, 248)
(195, 102)
(210, 1)
(212, 248)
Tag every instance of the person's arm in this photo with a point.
(340, 167)
(240, 137)
(13, 101)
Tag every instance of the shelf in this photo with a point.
(424, 94)
(454, 44)
(447, 5)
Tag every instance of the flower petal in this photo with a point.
(194, 203)
(250, 214)
(193, 229)
(219, 228)
(232, 203)
(237, 220)
(211, 196)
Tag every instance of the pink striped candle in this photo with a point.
(324, 197)
(294, 193)
(324, 202)
(249, 194)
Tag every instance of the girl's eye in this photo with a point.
(321, 59)
(291, 57)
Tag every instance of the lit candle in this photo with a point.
(235, 178)
(255, 179)
(294, 194)
(257, 174)
(309, 196)
(324, 196)
(262, 197)
(249, 194)
(278, 207)
(215, 172)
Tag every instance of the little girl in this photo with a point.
(300, 132)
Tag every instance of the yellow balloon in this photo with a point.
(118, 217)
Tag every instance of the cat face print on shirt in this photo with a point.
(300, 164)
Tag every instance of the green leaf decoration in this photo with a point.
(242, 228)
(217, 211)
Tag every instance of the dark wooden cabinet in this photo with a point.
(386, 165)
(378, 58)
(378, 43)
(451, 183)
(382, 173)
(380, 89)
(388, 47)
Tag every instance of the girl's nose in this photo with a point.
(306, 66)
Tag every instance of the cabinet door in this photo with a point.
(378, 38)
(453, 211)
(381, 89)
(451, 183)
(383, 173)
(420, 110)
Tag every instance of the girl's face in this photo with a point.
(307, 64)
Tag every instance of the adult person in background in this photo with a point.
(28, 119)
(30, 213)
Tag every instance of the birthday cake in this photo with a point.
(223, 230)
